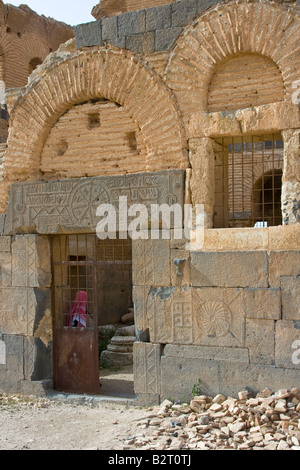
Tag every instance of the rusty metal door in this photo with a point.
(76, 356)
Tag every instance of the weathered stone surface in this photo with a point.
(143, 43)
(132, 23)
(31, 263)
(140, 295)
(287, 344)
(21, 309)
(260, 340)
(158, 18)
(263, 303)
(69, 205)
(208, 316)
(14, 349)
(5, 269)
(290, 292)
(5, 244)
(236, 239)
(229, 269)
(203, 166)
(165, 38)
(179, 375)
(151, 262)
(109, 28)
(180, 267)
(147, 368)
(88, 34)
(284, 237)
(211, 353)
(283, 263)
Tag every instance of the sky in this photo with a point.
(71, 12)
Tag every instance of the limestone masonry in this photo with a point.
(185, 102)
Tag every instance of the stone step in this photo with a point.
(123, 340)
(117, 358)
(122, 349)
(125, 331)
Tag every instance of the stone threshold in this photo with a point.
(92, 400)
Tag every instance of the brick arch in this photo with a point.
(109, 73)
(265, 29)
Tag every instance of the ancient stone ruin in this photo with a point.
(191, 103)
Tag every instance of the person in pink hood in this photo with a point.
(78, 311)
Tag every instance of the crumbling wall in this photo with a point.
(24, 36)
(91, 139)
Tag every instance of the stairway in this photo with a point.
(119, 351)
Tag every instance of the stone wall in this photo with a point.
(25, 313)
(225, 315)
(24, 36)
(226, 318)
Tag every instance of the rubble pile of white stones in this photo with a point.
(268, 421)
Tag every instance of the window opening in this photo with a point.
(248, 175)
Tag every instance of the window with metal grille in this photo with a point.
(248, 174)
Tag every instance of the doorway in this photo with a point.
(92, 287)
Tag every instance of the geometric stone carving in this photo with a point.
(151, 262)
(70, 205)
(147, 368)
(206, 316)
(31, 261)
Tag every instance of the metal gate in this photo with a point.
(77, 280)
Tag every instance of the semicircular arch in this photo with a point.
(265, 29)
(86, 75)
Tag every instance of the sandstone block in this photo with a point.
(287, 344)
(284, 237)
(12, 373)
(260, 341)
(5, 244)
(180, 267)
(283, 263)
(211, 317)
(5, 269)
(140, 295)
(21, 309)
(218, 354)
(151, 262)
(229, 269)
(31, 264)
(147, 368)
(236, 239)
(71, 204)
(179, 375)
(290, 289)
(263, 303)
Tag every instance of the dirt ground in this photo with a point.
(42, 424)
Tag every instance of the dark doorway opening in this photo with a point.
(92, 290)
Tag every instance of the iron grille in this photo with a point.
(248, 175)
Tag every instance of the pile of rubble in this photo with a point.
(270, 421)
